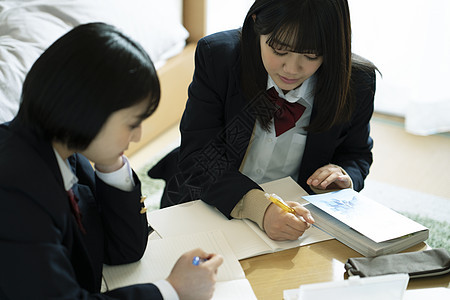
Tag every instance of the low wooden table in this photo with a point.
(270, 274)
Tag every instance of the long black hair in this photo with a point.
(320, 27)
(81, 79)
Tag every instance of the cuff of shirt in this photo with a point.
(121, 179)
(166, 290)
(319, 191)
(252, 206)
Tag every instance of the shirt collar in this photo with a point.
(305, 91)
(68, 177)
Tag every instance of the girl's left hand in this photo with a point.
(329, 177)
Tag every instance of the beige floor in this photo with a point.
(420, 163)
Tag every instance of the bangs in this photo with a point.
(304, 38)
(297, 28)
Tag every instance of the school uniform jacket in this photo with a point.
(218, 122)
(43, 253)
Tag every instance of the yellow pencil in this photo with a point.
(280, 203)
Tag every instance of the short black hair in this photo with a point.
(81, 79)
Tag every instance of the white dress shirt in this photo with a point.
(270, 157)
(123, 180)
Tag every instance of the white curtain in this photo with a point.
(409, 41)
(225, 15)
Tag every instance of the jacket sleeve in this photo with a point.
(34, 263)
(124, 222)
(213, 136)
(125, 228)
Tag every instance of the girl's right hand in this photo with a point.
(281, 226)
(195, 282)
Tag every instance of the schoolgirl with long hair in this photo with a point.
(282, 96)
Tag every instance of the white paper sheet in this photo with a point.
(387, 287)
(162, 254)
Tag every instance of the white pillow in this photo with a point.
(28, 27)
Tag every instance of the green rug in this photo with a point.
(439, 231)
(152, 188)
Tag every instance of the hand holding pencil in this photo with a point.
(194, 275)
(286, 221)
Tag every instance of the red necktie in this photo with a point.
(287, 113)
(75, 209)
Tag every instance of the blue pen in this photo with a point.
(197, 260)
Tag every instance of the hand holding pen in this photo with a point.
(194, 274)
(286, 221)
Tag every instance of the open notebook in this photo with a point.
(245, 238)
(162, 254)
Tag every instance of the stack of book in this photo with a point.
(364, 224)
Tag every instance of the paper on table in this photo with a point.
(162, 254)
(377, 222)
(432, 293)
(386, 287)
(311, 236)
(235, 289)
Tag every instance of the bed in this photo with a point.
(167, 29)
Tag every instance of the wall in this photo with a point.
(223, 15)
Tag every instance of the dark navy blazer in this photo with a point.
(43, 254)
(218, 122)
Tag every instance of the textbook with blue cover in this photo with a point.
(364, 224)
